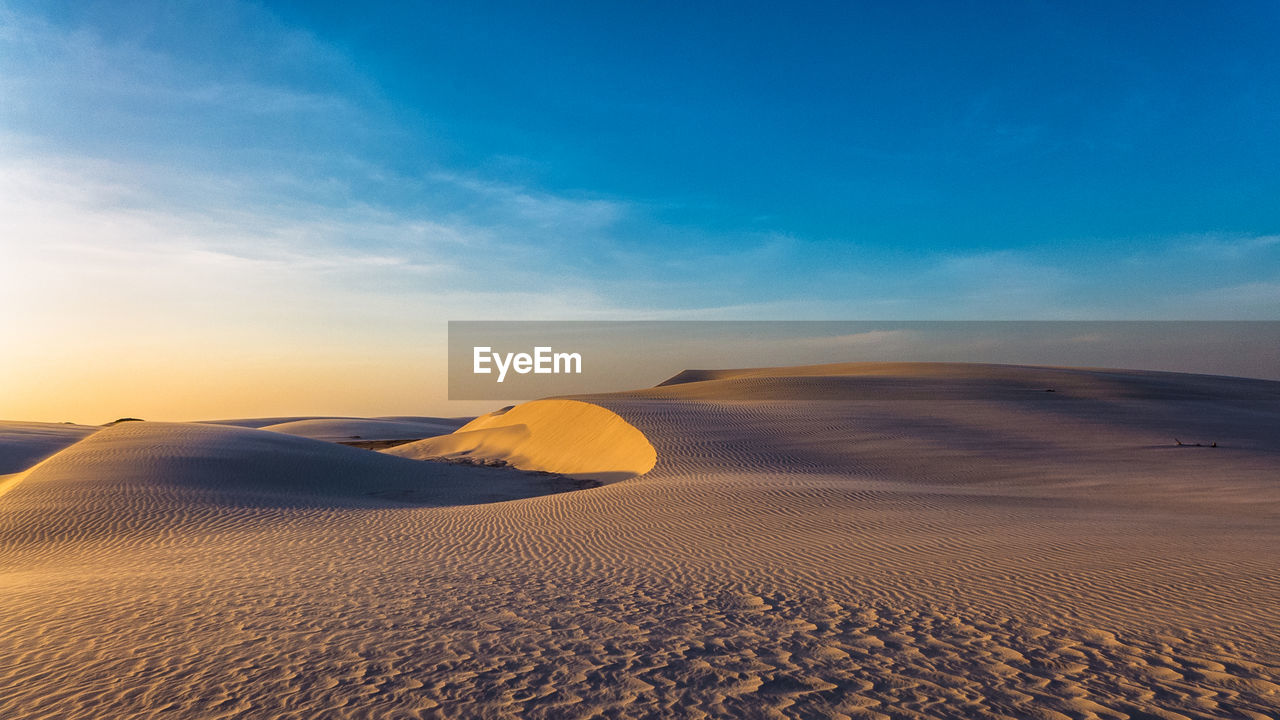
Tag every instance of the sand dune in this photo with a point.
(143, 478)
(915, 541)
(23, 444)
(566, 437)
(260, 423)
(339, 429)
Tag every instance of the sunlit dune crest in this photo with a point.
(567, 437)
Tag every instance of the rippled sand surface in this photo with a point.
(844, 541)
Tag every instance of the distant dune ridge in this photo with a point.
(367, 428)
(342, 428)
(23, 444)
(861, 540)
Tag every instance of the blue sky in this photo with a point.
(306, 176)
(844, 154)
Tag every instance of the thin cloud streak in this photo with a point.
(258, 192)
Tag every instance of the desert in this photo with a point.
(857, 540)
(836, 360)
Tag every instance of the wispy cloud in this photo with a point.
(209, 176)
(73, 233)
(1226, 246)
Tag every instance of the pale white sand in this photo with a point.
(906, 541)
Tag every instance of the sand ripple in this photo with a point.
(1026, 555)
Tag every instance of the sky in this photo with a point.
(222, 209)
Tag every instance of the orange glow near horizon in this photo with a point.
(185, 388)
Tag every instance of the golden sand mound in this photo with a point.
(566, 437)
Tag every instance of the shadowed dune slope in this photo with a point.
(1085, 403)
(144, 476)
(265, 421)
(1102, 436)
(259, 423)
(566, 437)
(338, 429)
(925, 380)
(23, 444)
